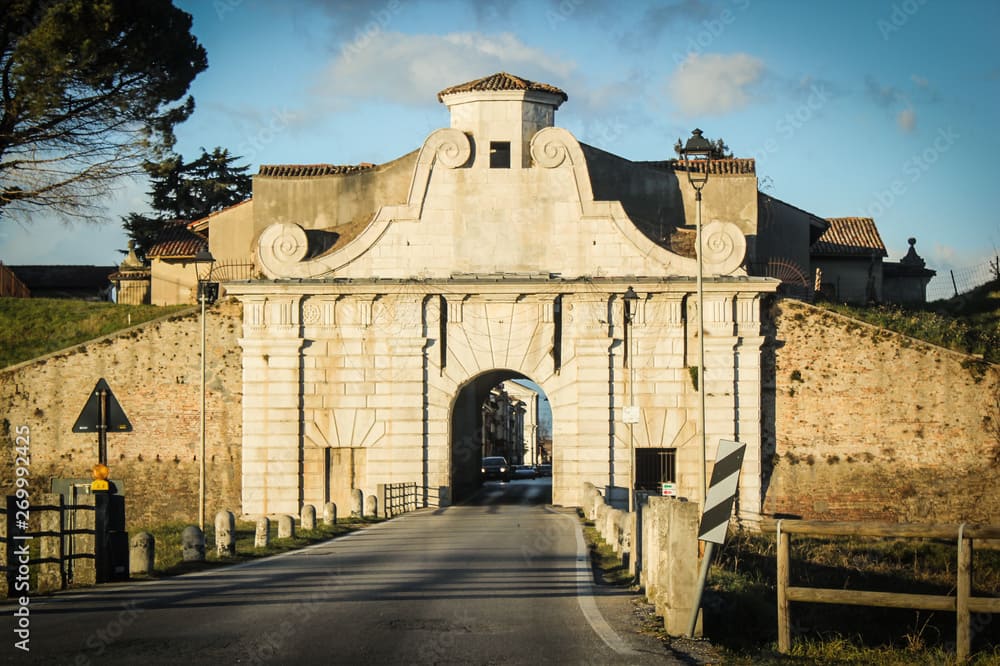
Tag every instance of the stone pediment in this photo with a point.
(462, 217)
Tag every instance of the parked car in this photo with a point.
(495, 467)
(524, 472)
(543, 470)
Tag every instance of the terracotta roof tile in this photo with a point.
(308, 170)
(177, 241)
(850, 236)
(728, 166)
(501, 81)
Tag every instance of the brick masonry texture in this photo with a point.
(869, 424)
(858, 423)
(154, 371)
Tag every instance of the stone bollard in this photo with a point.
(357, 498)
(680, 577)
(142, 554)
(329, 513)
(611, 535)
(192, 544)
(308, 517)
(371, 507)
(225, 534)
(286, 527)
(262, 537)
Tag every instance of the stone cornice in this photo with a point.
(501, 285)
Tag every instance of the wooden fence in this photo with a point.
(11, 285)
(963, 604)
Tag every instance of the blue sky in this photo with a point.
(887, 109)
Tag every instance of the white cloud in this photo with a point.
(411, 69)
(907, 120)
(715, 84)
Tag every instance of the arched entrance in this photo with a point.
(482, 427)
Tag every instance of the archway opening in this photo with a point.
(500, 414)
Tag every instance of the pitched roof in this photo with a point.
(177, 241)
(501, 81)
(202, 224)
(306, 170)
(850, 237)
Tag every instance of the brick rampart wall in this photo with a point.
(858, 423)
(154, 371)
(868, 424)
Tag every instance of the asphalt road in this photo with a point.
(502, 579)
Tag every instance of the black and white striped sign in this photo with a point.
(722, 491)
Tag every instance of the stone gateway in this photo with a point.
(394, 297)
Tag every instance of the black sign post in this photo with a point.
(101, 413)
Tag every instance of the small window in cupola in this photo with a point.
(499, 154)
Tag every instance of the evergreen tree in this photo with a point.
(188, 191)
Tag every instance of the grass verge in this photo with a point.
(741, 616)
(32, 327)
(169, 560)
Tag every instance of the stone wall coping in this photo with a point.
(194, 309)
(872, 327)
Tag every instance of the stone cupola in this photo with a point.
(502, 112)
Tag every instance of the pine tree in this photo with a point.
(188, 191)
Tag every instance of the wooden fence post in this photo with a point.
(784, 622)
(963, 638)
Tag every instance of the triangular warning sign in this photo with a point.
(114, 415)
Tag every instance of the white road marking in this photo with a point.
(585, 596)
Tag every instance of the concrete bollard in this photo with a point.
(680, 579)
(286, 527)
(142, 554)
(308, 517)
(225, 534)
(192, 544)
(611, 534)
(357, 499)
(329, 513)
(262, 537)
(371, 507)
(601, 518)
(596, 503)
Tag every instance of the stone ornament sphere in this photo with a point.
(724, 247)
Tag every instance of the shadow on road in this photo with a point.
(527, 492)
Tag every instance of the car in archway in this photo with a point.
(495, 467)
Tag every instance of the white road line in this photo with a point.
(585, 596)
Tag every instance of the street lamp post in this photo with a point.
(208, 292)
(698, 154)
(630, 300)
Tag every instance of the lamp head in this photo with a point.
(697, 152)
(203, 263)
